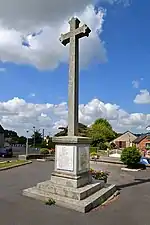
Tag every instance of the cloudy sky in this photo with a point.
(114, 64)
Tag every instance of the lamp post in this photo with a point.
(27, 143)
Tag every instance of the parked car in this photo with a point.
(6, 152)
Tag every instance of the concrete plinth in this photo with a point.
(80, 199)
(23, 157)
(71, 184)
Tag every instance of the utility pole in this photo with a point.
(34, 137)
(43, 135)
(27, 144)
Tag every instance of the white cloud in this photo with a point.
(27, 14)
(143, 97)
(125, 2)
(18, 17)
(19, 115)
(2, 69)
(47, 52)
(32, 95)
(135, 83)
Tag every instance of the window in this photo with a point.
(147, 145)
(148, 137)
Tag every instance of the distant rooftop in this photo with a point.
(1, 129)
(140, 138)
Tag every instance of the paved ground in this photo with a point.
(132, 207)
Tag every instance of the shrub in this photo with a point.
(93, 149)
(44, 151)
(130, 156)
(94, 155)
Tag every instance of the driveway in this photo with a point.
(132, 206)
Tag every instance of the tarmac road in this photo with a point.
(131, 207)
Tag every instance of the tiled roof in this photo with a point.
(139, 139)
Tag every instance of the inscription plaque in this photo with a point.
(64, 160)
(84, 164)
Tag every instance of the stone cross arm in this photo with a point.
(75, 31)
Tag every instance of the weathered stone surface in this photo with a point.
(71, 181)
(71, 140)
(73, 37)
(70, 192)
(71, 184)
(72, 159)
(23, 157)
(70, 200)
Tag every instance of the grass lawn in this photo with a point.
(7, 164)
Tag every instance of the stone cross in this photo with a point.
(73, 37)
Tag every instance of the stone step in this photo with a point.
(83, 206)
(73, 193)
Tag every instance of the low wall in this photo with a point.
(108, 160)
(37, 156)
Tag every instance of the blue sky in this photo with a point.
(126, 36)
(127, 41)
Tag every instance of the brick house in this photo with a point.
(143, 142)
(125, 140)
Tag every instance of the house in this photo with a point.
(125, 140)
(143, 142)
(1, 137)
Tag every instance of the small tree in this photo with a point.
(101, 132)
(130, 156)
(37, 137)
(44, 151)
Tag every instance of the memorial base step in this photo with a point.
(80, 199)
(70, 192)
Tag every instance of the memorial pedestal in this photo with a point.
(71, 185)
(72, 161)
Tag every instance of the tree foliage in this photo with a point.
(22, 140)
(44, 151)
(101, 132)
(48, 144)
(10, 134)
(82, 130)
(37, 136)
(103, 122)
(130, 156)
